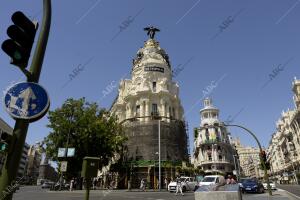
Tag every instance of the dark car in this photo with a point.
(252, 185)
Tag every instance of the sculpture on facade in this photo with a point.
(151, 31)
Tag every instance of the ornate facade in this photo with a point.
(284, 147)
(146, 102)
(249, 160)
(213, 151)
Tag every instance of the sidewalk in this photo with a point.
(277, 195)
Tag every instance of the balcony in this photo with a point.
(214, 141)
(223, 161)
(155, 115)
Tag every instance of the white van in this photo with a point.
(212, 180)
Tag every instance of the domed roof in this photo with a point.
(208, 105)
(151, 49)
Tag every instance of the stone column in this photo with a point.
(142, 110)
(168, 112)
(147, 113)
(176, 112)
(162, 109)
(128, 110)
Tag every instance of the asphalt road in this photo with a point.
(36, 193)
(294, 189)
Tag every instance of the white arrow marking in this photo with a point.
(27, 95)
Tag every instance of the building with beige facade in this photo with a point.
(214, 153)
(249, 160)
(284, 147)
(149, 103)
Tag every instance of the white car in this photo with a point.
(212, 180)
(187, 184)
(273, 186)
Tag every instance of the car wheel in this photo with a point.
(261, 190)
(183, 189)
(196, 188)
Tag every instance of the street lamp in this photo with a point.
(154, 186)
(68, 139)
(159, 157)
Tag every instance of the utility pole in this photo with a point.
(10, 168)
(159, 158)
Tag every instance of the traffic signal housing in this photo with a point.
(264, 159)
(21, 34)
(5, 141)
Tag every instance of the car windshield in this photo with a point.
(249, 181)
(208, 179)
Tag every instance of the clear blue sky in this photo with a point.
(258, 37)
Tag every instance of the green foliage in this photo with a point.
(92, 132)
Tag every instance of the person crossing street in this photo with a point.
(178, 186)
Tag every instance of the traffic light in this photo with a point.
(264, 159)
(22, 34)
(264, 156)
(5, 140)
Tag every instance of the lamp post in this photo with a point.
(159, 158)
(68, 140)
(156, 153)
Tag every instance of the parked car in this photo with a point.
(211, 180)
(272, 184)
(187, 184)
(252, 185)
(47, 185)
(240, 182)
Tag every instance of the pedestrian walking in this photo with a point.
(94, 183)
(72, 184)
(143, 185)
(166, 183)
(178, 186)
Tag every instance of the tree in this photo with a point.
(92, 132)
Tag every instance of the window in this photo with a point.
(154, 86)
(138, 110)
(154, 108)
(207, 134)
(220, 157)
(209, 158)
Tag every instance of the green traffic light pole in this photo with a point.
(10, 168)
(260, 156)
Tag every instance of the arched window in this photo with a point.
(217, 134)
(206, 134)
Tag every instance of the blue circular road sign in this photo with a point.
(26, 100)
